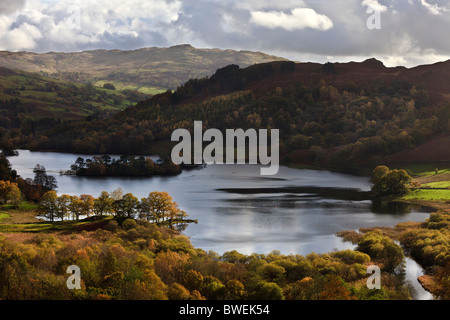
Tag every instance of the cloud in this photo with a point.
(22, 38)
(73, 25)
(433, 8)
(298, 19)
(9, 6)
(374, 5)
(303, 30)
(253, 5)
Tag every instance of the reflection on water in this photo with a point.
(395, 207)
(295, 211)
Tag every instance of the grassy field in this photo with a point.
(23, 219)
(438, 185)
(44, 226)
(424, 169)
(434, 189)
(150, 90)
(428, 194)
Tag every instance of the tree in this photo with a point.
(41, 178)
(264, 290)
(103, 204)
(76, 207)
(131, 204)
(9, 191)
(235, 289)
(213, 288)
(378, 173)
(63, 203)
(335, 290)
(389, 182)
(159, 206)
(177, 292)
(392, 256)
(109, 86)
(79, 163)
(272, 272)
(328, 68)
(397, 182)
(117, 194)
(87, 204)
(39, 174)
(125, 207)
(15, 196)
(146, 210)
(48, 205)
(106, 159)
(193, 280)
(381, 248)
(5, 169)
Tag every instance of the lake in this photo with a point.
(234, 208)
(237, 209)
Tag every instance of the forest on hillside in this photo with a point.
(319, 124)
(31, 104)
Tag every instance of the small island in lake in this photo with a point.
(125, 165)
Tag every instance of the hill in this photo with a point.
(344, 116)
(436, 150)
(31, 102)
(148, 70)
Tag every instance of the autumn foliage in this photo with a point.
(140, 260)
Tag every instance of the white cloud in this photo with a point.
(374, 5)
(433, 8)
(232, 25)
(21, 38)
(99, 22)
(253, 5)
(407, 35)
(8, 6)
(298, 19)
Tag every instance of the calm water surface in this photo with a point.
(297, 223)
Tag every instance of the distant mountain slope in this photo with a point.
(148, 70)
(31, 103)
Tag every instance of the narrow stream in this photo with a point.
(413, 271)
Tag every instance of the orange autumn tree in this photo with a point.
(9, 191)
(159, 206)
(87, 204)
(335, 290)
(48, 205)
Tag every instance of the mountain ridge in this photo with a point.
(149, 70)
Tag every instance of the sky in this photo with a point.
(397, 32)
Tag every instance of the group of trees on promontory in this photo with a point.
(156, 207)
(125, 165)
